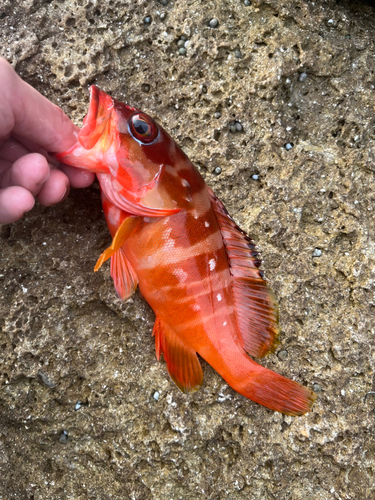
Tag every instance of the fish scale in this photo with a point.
(195, 267)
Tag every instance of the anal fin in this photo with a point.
(124, 277)
(183, 364)
(256, 305)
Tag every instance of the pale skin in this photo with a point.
(30, 125)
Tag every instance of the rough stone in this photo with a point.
(66, 337)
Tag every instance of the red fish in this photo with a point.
(195, 267)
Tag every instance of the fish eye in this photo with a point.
(143, 128)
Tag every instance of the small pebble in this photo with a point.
(330, 21)
(247, 3)
(255, 177)
(217, 170)
(187, 44)
(78, 405)
(303, 77)
(213, 23)
(217, 114)
(288, 146)
(180, 43)
(183, 37)
(282, 354)
(163, 2)
(147, 20)
(156, 395)
(236, 127)
(317, 252)
(204, 89)
(182, 51)
(317, 388)
(63, 437)
(146, 87)
(237, 54)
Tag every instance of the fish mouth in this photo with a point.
(94, 123)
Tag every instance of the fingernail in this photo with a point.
(65, 195)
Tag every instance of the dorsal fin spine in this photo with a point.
(256, 306)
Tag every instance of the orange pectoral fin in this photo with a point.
(183, 365)
(126, 229)
(124, 277)
(256, 306)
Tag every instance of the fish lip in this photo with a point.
(90, 119)
(99, 112)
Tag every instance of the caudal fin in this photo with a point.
(258, 383)
(277, 393)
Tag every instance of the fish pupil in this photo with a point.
(141, 127)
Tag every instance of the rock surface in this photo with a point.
(79, 417)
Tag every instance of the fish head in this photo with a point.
(135, 158)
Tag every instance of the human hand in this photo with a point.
(30, 125)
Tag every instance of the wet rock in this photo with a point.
(65, 337)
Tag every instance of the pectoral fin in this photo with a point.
(126, 229)
(182, 362)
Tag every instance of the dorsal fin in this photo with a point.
(256, 305)
(183, 364)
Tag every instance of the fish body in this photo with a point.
(195, 267)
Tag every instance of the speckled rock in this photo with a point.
(78, 374)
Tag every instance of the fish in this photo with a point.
(174, 239)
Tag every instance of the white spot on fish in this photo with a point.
(181, 275)
(196, 307)
(185, 183)
(167, 233)
(207, 224)
(113, 216)
(225, 323)
(212, 264)
(219, 297)
(169, 244)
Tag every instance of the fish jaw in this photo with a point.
(100, 110)
(98, 140)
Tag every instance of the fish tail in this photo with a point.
(262, 385)
(276, 392)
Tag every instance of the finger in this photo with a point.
(32, 146)
(78, 178)
(31, 172)
(14, 202)
(25, 146)
(55, 189)
(31, 115)
(11, 150)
